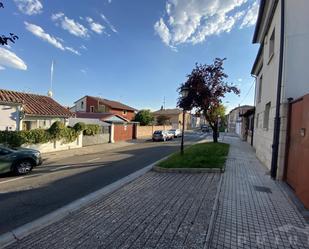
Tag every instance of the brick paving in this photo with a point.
(155, 211)
(167, 210)
(253, 211)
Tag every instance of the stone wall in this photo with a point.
(96, 139)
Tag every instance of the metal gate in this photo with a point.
(297, 173)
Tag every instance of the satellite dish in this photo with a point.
(50, 94)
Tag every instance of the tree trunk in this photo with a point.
(215, 133)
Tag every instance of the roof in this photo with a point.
(257, 59)
(242, 108)
(174, 111)
(101, 116)
(259, 21)
(73, 121)
(248, 113)
(111, 103)
(33, 104)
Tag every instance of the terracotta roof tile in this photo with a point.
(114, 104)
(34, 104)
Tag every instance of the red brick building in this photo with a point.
(91, 104)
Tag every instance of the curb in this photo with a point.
(187, 170)
(213, 216)
(33, 226)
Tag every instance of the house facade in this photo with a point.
(89, 104)
(175, 117)
(26, 111)
(281, 71)
(235, 121)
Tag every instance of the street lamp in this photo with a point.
(184, 93)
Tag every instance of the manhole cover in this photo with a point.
(262, 189)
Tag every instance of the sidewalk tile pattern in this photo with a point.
(253, 211)
(155, 211)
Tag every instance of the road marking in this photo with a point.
(63, 167)
(95, 159)
(11, 180)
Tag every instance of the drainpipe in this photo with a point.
(276, 137)
(254, 103)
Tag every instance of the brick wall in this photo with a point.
(146, 131)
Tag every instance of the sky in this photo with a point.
(137, 52)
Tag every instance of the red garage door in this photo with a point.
(298, 153)
(123, 132)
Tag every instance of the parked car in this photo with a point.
(161, 135)
(18, 161)
(205, 128)
(175, 132)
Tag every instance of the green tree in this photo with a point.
(145, 117)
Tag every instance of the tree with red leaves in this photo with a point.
(4, 40)
(206, 87)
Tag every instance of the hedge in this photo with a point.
(58, 131)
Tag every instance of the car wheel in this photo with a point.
(23, 167)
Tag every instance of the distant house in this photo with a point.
(174, 117)
(89, 104)
(26, 111)
(235, 121)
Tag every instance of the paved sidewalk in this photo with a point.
(155, 211)
(253, 211)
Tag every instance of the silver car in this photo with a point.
(161, 135)
(175, 132)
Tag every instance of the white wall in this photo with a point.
(78, 105)
(296, 69)
(42, 122)
(263, 138)
(9, 117)
(56, 146)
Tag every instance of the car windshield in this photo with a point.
(158, 132)
(172, 130)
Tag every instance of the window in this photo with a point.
(266, 116)
(124, 112)
(272, 44)
(260, 89)
(82, 105)
(91, 108)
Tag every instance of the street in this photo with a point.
(51, 186)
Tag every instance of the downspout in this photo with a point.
(253, 125)
(277, 122)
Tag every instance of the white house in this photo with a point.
(281, 71)
(25, 111)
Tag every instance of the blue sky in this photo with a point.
(130, 51)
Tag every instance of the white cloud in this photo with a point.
(251, 16)
(83, 71)
(72, 26)
(111, 26)
(83, 47)
(56, 42)
(95, 27)
(29, 7)
(10, 59)
(72, 50)
(193, 21)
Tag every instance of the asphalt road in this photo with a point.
(49, 187)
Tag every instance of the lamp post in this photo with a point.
(184, 93)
